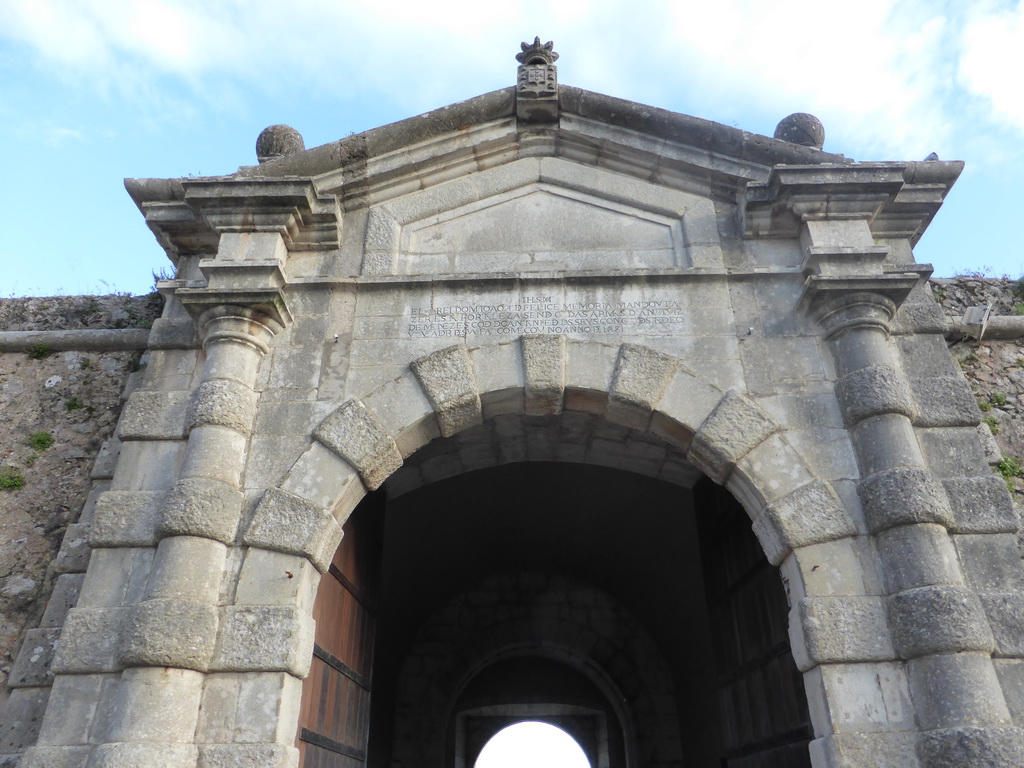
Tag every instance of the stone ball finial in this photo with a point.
(537, 53)
(803, 129)
(278, 141)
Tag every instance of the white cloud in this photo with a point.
(992, 61)
(881, 74)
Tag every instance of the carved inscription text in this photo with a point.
(544, 314)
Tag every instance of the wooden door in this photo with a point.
(334, 718)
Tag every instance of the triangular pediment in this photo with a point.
(540, 214)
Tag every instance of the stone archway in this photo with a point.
(453, 391)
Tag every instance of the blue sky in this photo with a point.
(92, 91)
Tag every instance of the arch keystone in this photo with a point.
(731, 431)
(544, 374)
(355, 433)
(448, 379)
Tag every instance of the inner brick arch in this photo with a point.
(456, 391)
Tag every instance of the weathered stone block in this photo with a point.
(89, 641)
(106, 459)
(249, 708)
(223, 402)
(981, 505)
(56, 757)
(859, 698)
(859, 750)
(938, 619)
(809, 515)
(201, 506)
(640, 379)
(63, 598)
(125, 519)
(188, 568)
(841, 629)
(953, 451)
(167, 632)
(142, 755)
(73, 556)
(872, 391)
(264, 638)
(447, 377)
(991, 561)
(177, 333)
(687, 401)
(543, 374)
(276, 578)
(731, 431)
(156, 704)
(287, 523)
(323, 478)
(944, 401)
(117, 576)
(153, 416)
(406, 414)
(22, 717)
(355, 433)
(973, 747)
(1006, 617)
(247, 755)
(956, 689)
(902, 496)
(1011, 679)
(917, 556)
(32, 667)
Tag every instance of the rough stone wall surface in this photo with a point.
(70, 402)
(994, 368)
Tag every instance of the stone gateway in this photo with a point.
(542, 406)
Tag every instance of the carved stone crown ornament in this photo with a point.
(537, 83)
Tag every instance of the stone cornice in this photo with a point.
(898, 200)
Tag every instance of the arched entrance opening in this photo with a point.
(580, 573)
(538, 744)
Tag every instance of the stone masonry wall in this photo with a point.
(75, 399)
(58, 408)
(995, 369)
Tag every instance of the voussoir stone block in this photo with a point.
(544, 373)
(355, 433)
(168, 632)
(872, 391)
(125, 519)
(223, 402)
(265, 638)
(902, 496)
(973, 747)
(729, 433)
(944, 401)
(153, 416)
(937, 619)
(811, 514)
(284, 522)
(448, 379)
(638, 383)
(842, 629)
(981, 505)
(201, 506)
